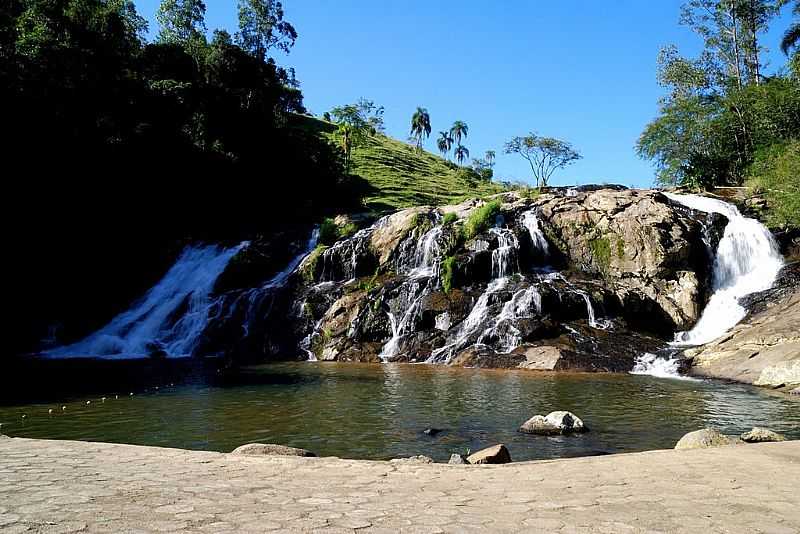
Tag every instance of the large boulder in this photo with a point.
(268, 449)
(703, 439)
(559, 422)
(497, 454)
(761, 435)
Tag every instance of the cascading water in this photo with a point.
(505, 255)
(531, 223)
(747, 261)
(524, 303)
(170, 317)
(658, 366)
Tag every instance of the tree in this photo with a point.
(545, 155)
(356, 123)
(182, 23)
(792, 36)
(490, 157)
(420, 126)
(444, 143)
(461, 153)
(261, 28)
(458, 131)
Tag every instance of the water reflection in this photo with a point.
(380, 411)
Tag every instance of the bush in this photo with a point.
(776, 174)
(481, 219)
(449, 218)
(448, 273)
(328, 232)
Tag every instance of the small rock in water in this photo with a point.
(419, 459)
(458, 459)
(498, 454)
(50, 411)
(795, 391)
(269, 449)
(88, 402)
(63, 408)
(560, 422)
(703, 439)
(761, 435)
(431, 431)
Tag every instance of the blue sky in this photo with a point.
(579, 70)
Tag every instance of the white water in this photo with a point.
(660, 367)
(524, 303)
(747, 261)
(151, 321)
(427, 253)
(504, 256)
(531, 222)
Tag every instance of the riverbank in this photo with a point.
(69, 486)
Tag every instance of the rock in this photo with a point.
(431, 431)
(458, 459)
(268, 449)
(795, 391)
(703, 439)
(497, 454)
(761, 435)
(560, 422)
(419, 459)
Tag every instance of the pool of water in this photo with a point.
(381, 411)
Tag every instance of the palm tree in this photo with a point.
(444, 143)
(792, 36)
(458, 131)
(461, 154)
(420, 126)
(490, 156)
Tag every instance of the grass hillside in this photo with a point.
(399, 177)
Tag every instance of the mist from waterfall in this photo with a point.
(747, 261)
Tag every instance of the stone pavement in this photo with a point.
(62, 486)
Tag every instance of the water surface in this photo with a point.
(380, 411)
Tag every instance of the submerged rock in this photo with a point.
(419, 459)
(703, 439)
(431, 431)
(497, 454)
(269, 449)
(560, 422)
(458, 459)
(761, 435)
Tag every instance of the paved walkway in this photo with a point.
(61, 486)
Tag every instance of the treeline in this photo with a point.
(725, 121)
(115, 148)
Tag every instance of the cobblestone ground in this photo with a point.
(61, 486)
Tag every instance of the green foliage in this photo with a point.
(481, 219)
(356, 122)
(309, 268)
(182, 23)
(620, 248)
(448, 273)
(420, 126)
(449, 218)
(601, 252)
(776, 174)
(262, 28)
(330, 232)
(545, 155)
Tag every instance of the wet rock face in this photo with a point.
(562, 282)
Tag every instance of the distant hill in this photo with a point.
(399, 177)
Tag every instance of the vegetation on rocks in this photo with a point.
(481, 219)
(776, 174)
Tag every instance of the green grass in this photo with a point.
(481, 219)
(400, 177)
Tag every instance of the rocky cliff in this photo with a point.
(572, 279)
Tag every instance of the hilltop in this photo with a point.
(397, 176)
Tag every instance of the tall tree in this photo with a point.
(545, 155)
(261, 27)
(490, 157)
(444, 143)
(182, 22)
(461, 153)
(792, 36)
(459, 131)
(420, 126)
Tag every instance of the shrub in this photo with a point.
(776, 174)
(481, 219)
(309, 267)
(449, 218)
(328, 232)
(448, 273)
(601, 252)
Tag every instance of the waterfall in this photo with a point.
(531, 223)
(524, 303)
(504, 256)
(658, 366)
(747, 261)
(427, 253)
(170, 317)
(600, 324)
